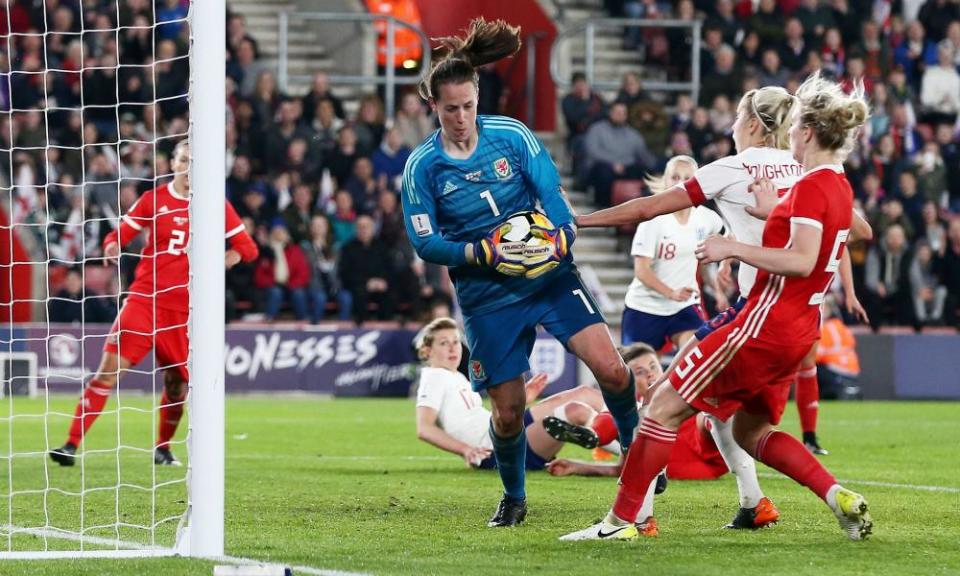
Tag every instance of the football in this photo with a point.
(539, 255)
(519, 228)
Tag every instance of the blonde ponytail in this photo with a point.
(658, 184)
(772, 106)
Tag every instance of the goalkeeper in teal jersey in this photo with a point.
(458, 186)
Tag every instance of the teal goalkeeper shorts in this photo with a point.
(501, 341)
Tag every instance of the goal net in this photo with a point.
(94, 96)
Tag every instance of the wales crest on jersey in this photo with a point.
(502, 168)
(477, 371)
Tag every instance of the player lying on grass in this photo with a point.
(451, 416)
(695, 458)
(744, 369)
(155, 314)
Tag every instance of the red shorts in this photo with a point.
(695, 455)
(726, 372)
(134, 334)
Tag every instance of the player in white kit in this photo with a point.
(451, 416)
(663, 301)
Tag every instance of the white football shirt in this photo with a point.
(670, 246)
(727, 182)
(460, 410)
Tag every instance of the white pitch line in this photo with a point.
(73, 536)
(296, 569)
(300, 458)
(948, 489)
(922, 487)
(137, 550)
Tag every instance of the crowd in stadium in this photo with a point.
(905, 170)
(318, 186)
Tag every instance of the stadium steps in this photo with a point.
(600, 249)
(605, 252)
(611, 61)
(306, 55)
(263, 23)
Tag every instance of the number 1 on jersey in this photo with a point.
(583, 297)
(493, 205)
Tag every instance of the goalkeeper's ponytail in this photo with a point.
(456, 59)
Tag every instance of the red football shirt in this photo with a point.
(789, 308)
(164, 268)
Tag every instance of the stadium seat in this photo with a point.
(624, 190)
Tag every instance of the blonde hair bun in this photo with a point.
(834, 116)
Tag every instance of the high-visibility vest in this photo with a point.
(838, 348)
(407, 44)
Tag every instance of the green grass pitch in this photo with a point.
(345, 485)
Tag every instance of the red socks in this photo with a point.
(95, 397)
(171, 410)
(605, 428)
(646, 458)
(91, 404)
(808, 395)
(785, 453)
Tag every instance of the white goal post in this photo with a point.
(205, 479)
(200, 521)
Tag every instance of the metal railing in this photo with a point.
(389, 77)
(589, 28)
(531, 73)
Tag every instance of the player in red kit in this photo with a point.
(155, 314)
(745, 368)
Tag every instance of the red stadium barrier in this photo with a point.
(15, 283)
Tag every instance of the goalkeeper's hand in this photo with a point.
(541, 259)
(504, 257)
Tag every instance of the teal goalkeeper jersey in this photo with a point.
(448, 203)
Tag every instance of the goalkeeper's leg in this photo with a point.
(510, 449)
(594, 346)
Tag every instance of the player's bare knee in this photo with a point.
(106, 378)
(109, 370)
(578, 413)
(668, 408)
(174, 384)
(746, 438)
(508, 421)
(612, 374)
